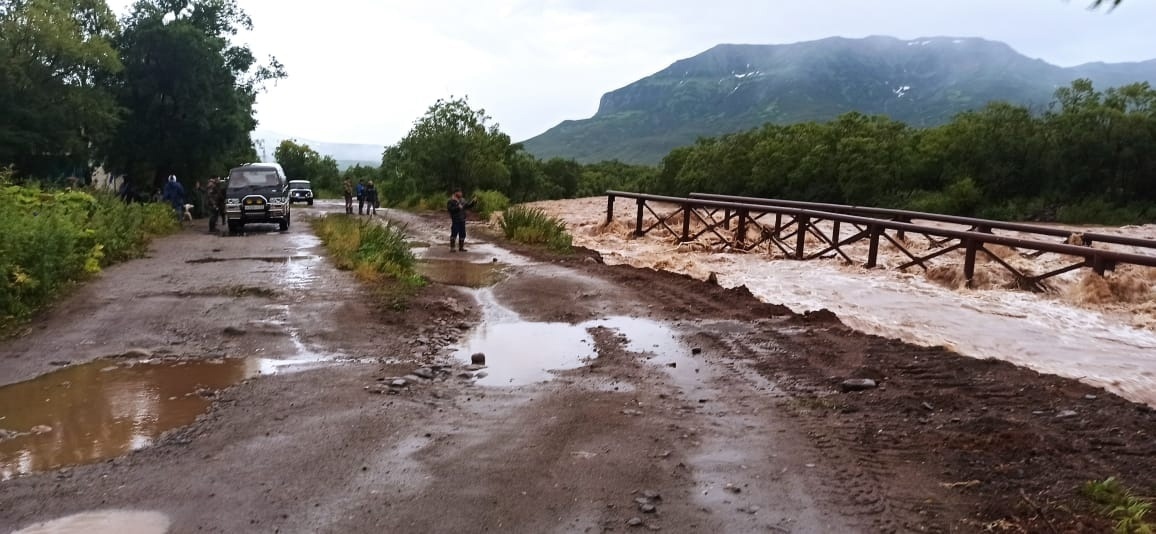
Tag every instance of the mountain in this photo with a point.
(346, 154)
(734, 87)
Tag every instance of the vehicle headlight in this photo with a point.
(233, 201)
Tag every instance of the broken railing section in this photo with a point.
(728, 222)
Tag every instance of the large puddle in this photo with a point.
(104, 408)
(523, 352)
(461, 273)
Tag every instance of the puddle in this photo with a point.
(461, 273)
(522, 352)
(266, 259)
(104, 408)
(103, 522)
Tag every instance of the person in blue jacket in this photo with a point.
(174, 194)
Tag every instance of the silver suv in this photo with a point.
(300, 191)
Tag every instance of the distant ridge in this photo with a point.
(735, 87)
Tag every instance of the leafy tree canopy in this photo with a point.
(55, 57)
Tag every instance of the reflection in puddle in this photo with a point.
(105, 408)
(522, 352)
(103, 522)
(461, 273)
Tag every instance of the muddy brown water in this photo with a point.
(105, 408)
(461, 273)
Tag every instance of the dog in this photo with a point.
(188, 213)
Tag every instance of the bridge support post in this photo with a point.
(727, 218)
(873, 246)
(638, 220)
(741, 231)
(835, 235)
(778, 225)
(685, 223)
(801, 235)
(609, 209)
(970, 247)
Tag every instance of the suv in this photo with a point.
(257, 193)
(300, 191)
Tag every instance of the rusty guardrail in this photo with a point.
(797, 220)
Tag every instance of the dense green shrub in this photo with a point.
(490, 202)
(533, 226)
(50, 239)
(373, 250)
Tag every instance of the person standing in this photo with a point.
(360, 196)
(174, 194)
(457, 207)
(348, 191)
(211, 197)
(199, 206)
(370, 198)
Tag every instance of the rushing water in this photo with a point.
(1108, 344)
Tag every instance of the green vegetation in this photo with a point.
(490, 202)
(1090, 158)
(533, 226)
(733, 87)
(377, 253)
(52, 239)
(1119, 504)
(164, 91)
(303, 163)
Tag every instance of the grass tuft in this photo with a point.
(534, 227)
(1119, 504)
(377, 253)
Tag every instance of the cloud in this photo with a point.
(364, 70)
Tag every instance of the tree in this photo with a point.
(451, 146)
(303, 163)
(55, 59)
(189, 92)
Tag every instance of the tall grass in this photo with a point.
(533, 226)
(377, 253)
(52, 239)
(1119, 504)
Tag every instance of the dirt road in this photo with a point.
(705, 410)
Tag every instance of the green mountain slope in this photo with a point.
(737, 87)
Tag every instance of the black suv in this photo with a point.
(257, 193)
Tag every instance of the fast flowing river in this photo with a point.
(1102, 332)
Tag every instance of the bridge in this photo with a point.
(808, 230)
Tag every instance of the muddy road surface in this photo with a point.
(243, 384)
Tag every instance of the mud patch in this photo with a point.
(461, 273)
(104, 408)
(103, 522)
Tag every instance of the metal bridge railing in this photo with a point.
(794, 221)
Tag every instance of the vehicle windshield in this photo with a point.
(261, 177)
(299, 184)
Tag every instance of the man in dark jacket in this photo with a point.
(174, 194)
(457, 207)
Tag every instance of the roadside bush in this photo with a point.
(1099, 211)
(51, 239)
(533, 226)
(490, 202)
(375, 252)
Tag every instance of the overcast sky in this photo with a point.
(361, 71)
